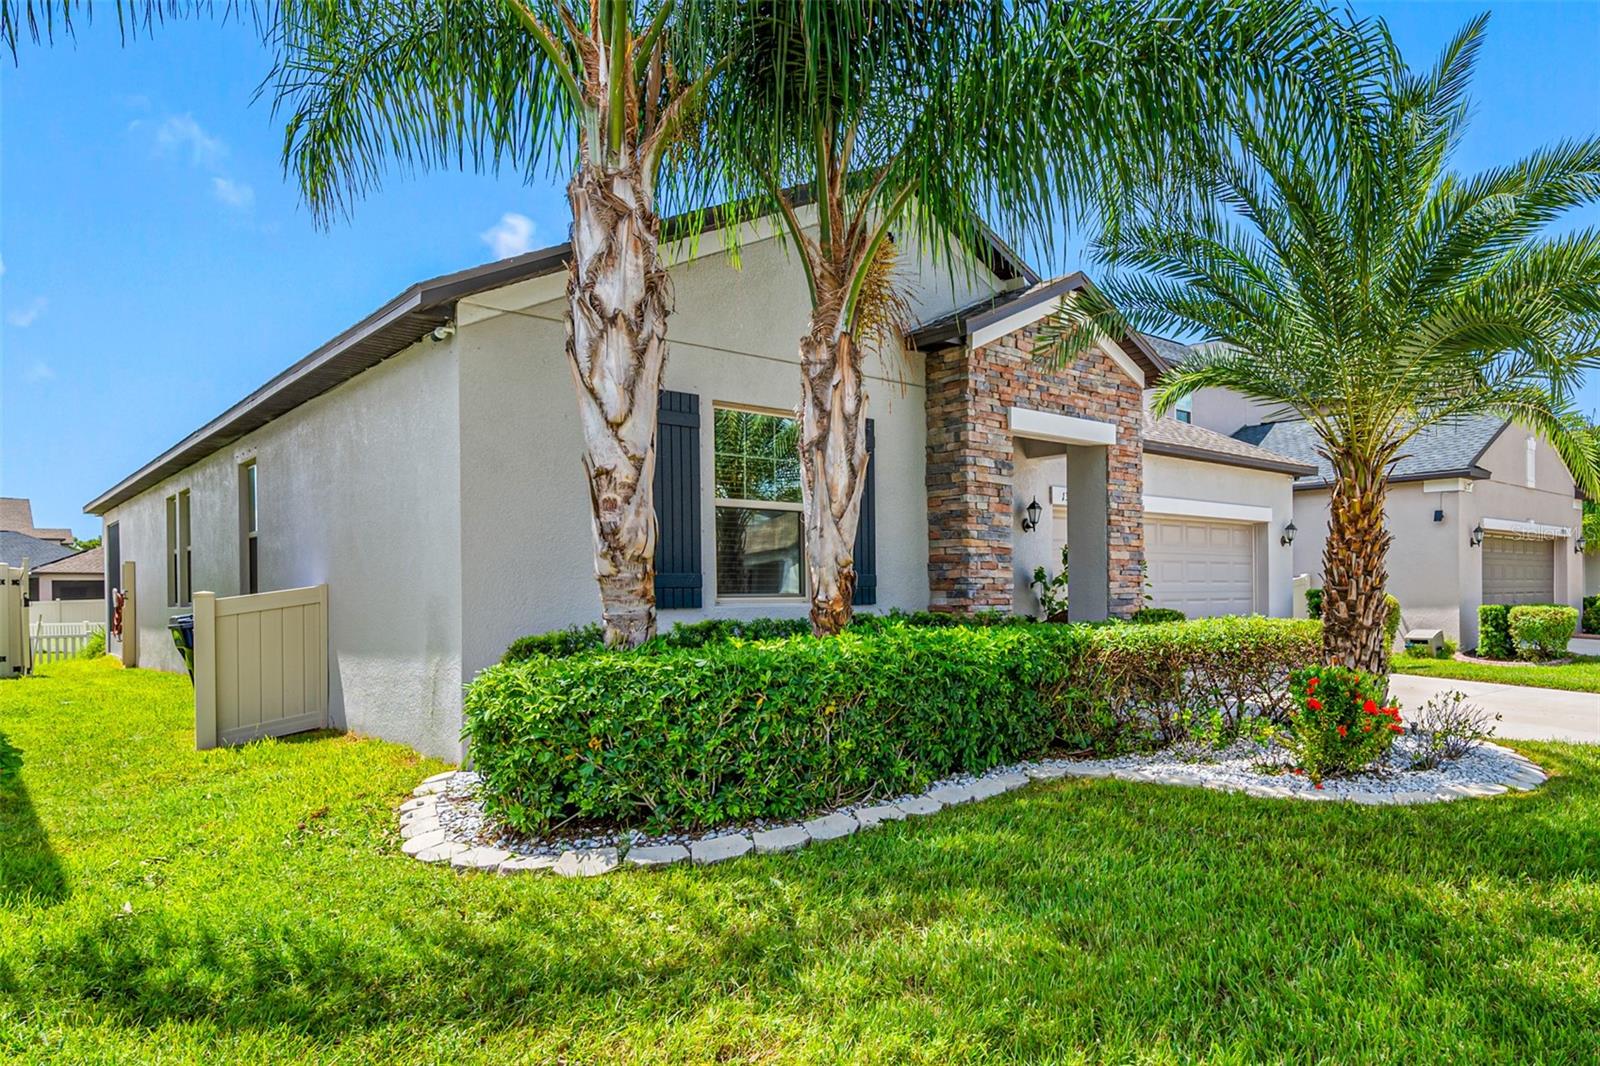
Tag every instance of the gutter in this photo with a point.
(1206, 455)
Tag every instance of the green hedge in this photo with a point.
(779, 728)
(1542, 630)
(1145, 616)
(1591, 614)
(1494, 632)
(739, 730)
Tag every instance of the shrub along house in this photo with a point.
(424, 465)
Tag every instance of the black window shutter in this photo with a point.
(866, 551)
(678, 578)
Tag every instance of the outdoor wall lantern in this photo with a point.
(1030, 519)
(1579, 544)
(1477, 535)
(1288, 535)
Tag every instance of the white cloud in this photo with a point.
(181, 133)
(38, 371)
(512, 235)
(23, 317)
(236, 194)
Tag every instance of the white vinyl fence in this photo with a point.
(54, 641)
(260, 665)
(15, 653)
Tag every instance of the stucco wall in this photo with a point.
(527, 556)
(356, 489)
(1204, 483)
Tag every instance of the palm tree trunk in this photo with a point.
(833, 463)
(1354, 573)
(616, 347)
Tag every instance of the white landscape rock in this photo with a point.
(445, 821)
(720, 849)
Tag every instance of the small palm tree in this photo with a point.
(604, 90)
(1344, 273)
(914, 117)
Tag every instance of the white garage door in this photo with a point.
(1201, 568)
(1518, 571)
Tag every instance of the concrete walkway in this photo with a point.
(1528, 713)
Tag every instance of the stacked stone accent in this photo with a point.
(971, 514)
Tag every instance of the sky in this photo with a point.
(156, 265)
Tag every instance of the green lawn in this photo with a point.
(252, 904)
(1580, 675)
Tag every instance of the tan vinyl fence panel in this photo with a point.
(16, 654)
(260, 665)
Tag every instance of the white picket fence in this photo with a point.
(54, 641)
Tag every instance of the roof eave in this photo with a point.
(1206, 455)
(1472, 473)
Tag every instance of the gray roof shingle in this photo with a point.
(1448, 449)
(14, 547)
(1168, 436)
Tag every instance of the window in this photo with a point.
(1530, 463)
(1183, 410)
(179, 558)
(757, 500)
(77, 590)
(249, 567)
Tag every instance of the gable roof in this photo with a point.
(1182, 440)
(16, 516)
(89, 561)
(1448, 449)
(959, 326)
(14, 547)
(404, 321)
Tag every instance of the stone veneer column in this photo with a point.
(971, 518)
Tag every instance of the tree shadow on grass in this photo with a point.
(30, 873)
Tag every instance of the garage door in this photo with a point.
(1518, 571)
(1201, 568)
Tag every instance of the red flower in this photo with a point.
(1370, 707)
(1319, 784)
(1392, 712)
(1396, 728)
(1311, 684)
(1366, 727)
(1314, 703)
(1343, 731)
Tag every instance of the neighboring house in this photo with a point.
(16, 516)
(425, 465)
(81, 576)
(15, 548)
(1480, 509)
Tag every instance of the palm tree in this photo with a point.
(1344, 273)
(530, 84)
(908, 116)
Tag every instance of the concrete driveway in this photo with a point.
(1528, 713)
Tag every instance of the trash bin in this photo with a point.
(182, 629)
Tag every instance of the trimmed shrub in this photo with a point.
(778, 728)
(95, 646)
(1148, 685)
(1339, 724)
(556, 645)
(1591, 614)
(1494, 632)
(1314, 603)
(1542, 630)
(1152, 615)
(737, 730)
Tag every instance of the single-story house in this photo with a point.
(424, 464)
(78, 576)
(1481, 511)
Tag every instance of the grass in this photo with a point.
(252, 905)
(1582, 674)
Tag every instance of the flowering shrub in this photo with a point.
(1339, 724)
